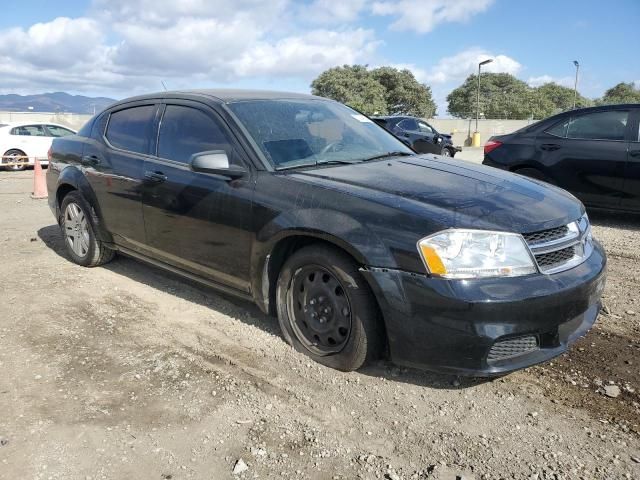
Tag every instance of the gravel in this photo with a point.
(144, 375)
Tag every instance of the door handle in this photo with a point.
(155, 177)
(550, 147)
(90, 160)
(634, 153)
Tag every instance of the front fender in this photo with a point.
(329, 226)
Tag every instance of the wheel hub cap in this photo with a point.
(76, 229)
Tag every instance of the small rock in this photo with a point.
(612, 391)
(606, 310)
(630, 312)
(391, 475)
(3, 441)
(240, 467)
(533, 414)
(635, 459)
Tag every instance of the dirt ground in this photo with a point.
(126, 372)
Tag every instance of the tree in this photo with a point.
(404, 94)
(560, 98)
(501, 96)
(504, 96)
(621, 93)
(381, 91)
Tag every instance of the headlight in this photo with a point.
(476, 254)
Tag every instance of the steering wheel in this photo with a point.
(331, 147)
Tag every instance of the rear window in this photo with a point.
(130, 129)
(599, 126)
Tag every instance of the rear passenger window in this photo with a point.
(559, 129)
(185, 131)
(130, 129)
(599, 126)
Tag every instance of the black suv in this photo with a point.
(592, 152)
(360, 247)
(418, 134)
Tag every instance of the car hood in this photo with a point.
(455, 194)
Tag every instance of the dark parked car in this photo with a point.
(592, 152)
(360, 247)
(418, 134)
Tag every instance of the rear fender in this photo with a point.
(71, 176)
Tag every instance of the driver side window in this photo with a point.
(409, 124)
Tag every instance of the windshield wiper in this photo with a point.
(315, 164)
(388, 154)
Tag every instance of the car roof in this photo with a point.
(226, 95)
(23, 124)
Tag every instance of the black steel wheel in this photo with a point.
(319, 310)
(327, 310)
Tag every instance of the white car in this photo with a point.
(21, 143)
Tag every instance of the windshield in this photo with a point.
(305, 132)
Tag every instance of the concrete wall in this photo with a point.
(72, 120)
(462, 129)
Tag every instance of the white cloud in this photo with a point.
(422, 16)
(125, 46)
(462, 64)
(542, 79)
(306, 55)
(332, 11)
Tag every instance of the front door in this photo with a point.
(113, 162)
(196, 221)
(422, 141)
(587, 155)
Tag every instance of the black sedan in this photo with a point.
(418, 134)
(361, 247)
(593, 152)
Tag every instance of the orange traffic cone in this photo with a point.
(39, 182)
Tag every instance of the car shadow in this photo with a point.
(246, 312)
(613, 219)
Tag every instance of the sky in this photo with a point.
(119, 48)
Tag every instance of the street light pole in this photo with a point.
(476, 136)
(575, 86)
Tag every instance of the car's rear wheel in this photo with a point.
(80, 240)
(12, 156)
(327, 310)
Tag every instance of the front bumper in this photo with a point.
(450, 326)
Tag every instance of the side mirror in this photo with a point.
(215, 162)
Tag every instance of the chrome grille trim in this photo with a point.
(554, 253)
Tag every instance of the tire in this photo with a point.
(359, 336)
(446, 152)
(78, 232)
(14, 152)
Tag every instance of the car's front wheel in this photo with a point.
(446, 152)
(83, 246)
(327, 310)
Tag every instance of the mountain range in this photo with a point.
(53, 102)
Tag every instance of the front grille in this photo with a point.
(561, 248)
(553, 259)
(546, 235)
(512, 347)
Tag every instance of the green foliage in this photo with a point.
(504, 96)
(621, 93)
(561, 97)
(384, 90)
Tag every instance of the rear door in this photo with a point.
(631, 197)
(587, 154)
(197, 221)
(113, 161)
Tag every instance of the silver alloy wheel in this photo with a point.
(76, 229)
(446, 152)
(14, 167)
